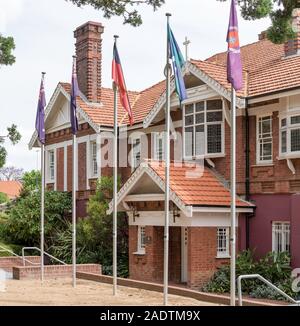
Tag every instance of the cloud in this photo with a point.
(10, 11)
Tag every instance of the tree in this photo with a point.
(14, 136)
(3, 198)
(7, 45)
(280, 12)
(125, 8)
(10, 173)
(31, 182)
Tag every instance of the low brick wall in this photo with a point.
(201, 296)
(7, 263)
(53, 271)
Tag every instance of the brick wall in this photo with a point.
(53, 271)
(60, 169)
(202, 252)
(7, 263)
(149, 267)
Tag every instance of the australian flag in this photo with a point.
(118, 78)
(178, 62)
(73, 104)
(40, 116)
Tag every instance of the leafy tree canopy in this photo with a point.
(7, 45)
(125, 8)
(280, 12)
(14, 136)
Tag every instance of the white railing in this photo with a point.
(39, 250)
(3, 249)
(262, 279)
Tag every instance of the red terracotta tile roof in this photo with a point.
(103, 114)
(266, 70)
(10, 188)
(196, 185)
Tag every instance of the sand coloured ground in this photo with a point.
(60, 292)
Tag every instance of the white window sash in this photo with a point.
(260, 140)
(205, 124)
(223, 250)
(140, 246)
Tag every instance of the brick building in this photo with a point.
(268, 157)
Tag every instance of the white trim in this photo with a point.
(65, 167)
(226, 253)
(141, 250)
(156, 218)
(205, 124)
(133, 138)
(139, 172)
(222, 209)
(191, 68)
(88, 163)
(144, 197)
(60, 90)
(258, 161)
(264, 98)
(273, 235)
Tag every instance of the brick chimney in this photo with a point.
(262, 36)
(89, 59)
(292, 47)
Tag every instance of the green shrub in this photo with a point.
(22, 225)
(94, 234)
(274, 267)
(3, 198)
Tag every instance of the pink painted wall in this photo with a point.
(271, 208)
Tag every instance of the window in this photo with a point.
(159, 146)
(281, 237)
(141, 239)
(223, 242)
(94, 161)
(264, 140)
(203, 128)
(290, 135)
(51, 158)
(136, 153)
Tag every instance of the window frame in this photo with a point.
(205, 123)
(288, 128)
(258, 143)
(51, 166)
(133, 159)
(158, 136)
(141, 237)
(221, 253)
(94, 159)
(283, 239)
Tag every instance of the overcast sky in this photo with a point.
(43, 32)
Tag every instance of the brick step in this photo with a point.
(7, 263)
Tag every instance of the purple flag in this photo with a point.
(73, 104)
(40, 115)
(234, 61)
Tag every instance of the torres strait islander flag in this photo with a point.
(40, 115)
(234, 61)
(178, 62)
(118, 78)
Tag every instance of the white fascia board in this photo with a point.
(190, 68)
(60, 90)
(222, 209)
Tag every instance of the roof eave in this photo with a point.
(190, 67)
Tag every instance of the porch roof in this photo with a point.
(190, 185)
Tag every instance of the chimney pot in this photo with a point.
(292, 47)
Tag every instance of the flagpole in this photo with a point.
(167, 174)
(233, 199)
(74, 186)
(43, 204)
(115, 190)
